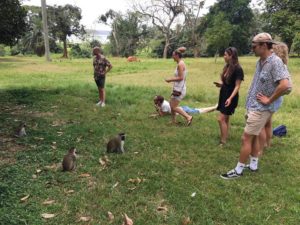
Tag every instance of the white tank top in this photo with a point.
(180, 85)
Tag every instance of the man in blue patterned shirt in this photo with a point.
(269, 83)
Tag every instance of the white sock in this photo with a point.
(253, 163)
(239, 167)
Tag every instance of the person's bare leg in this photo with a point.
(269, 133)
(246, 149)
(102, 95)
(223, 121)
(175, 109)
(207, 109)
(99, 93)
(262, 139)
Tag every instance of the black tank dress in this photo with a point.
(227, 89)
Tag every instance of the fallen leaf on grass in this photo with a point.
(48, 202)
(47, 215)
(186, 221)
(277, 209)
(162, 209)
(110, 216)
(127, 220)
(85, 218)
(84, 175)
(136, 180)
(53, 166)
(24, 198)
(115, 185)
(79, 139)
(39, 138)
(69, 191)
(132, 189)
(104, 161)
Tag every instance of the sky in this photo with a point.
(92, 9)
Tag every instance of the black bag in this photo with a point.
(176, 93)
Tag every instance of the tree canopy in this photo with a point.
(12, 21)
(64, 21)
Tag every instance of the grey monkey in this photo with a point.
(116, 144)
(20, 131)
(69, 161)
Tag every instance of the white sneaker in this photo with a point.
(232, 174)
(99, 103)
(102, 104)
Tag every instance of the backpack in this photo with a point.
(280, 131)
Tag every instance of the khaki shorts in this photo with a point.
(256, 120)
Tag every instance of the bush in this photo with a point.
(2, 50)
(15, 51)
(82, 51)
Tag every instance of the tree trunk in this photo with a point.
(165, 54)
(196, 51)
(117, 43)
(65, 55)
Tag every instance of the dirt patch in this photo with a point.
(8, 150)
(42, 114)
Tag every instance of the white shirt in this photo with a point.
(165, 107)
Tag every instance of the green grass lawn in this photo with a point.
(163, 164)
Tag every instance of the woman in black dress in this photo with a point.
(230, 83)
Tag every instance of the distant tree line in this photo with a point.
(153, 27)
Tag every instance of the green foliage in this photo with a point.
(15, 50)
(283, 17)
(296, 44)
(239, 16)
(219, 35)
(12, 21)
(2, 50)
(81, 51)
(64, 21)
(127, 32)
(95, 43)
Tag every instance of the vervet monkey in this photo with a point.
(69, 161)
(20, 132)
(116, 144)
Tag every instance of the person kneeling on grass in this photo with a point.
(162, 107)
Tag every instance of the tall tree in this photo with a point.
(239, 14)
(12, 21)
(191, 13)
(219, 35)
(110, 18)
(283, 18)
(127, 31)
(65, 22)
(33, 40)
(162, 14)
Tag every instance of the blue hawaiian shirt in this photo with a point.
(265, 81)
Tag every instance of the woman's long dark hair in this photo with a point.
(231, 66)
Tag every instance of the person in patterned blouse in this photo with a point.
(270, 81)
(101, 67)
